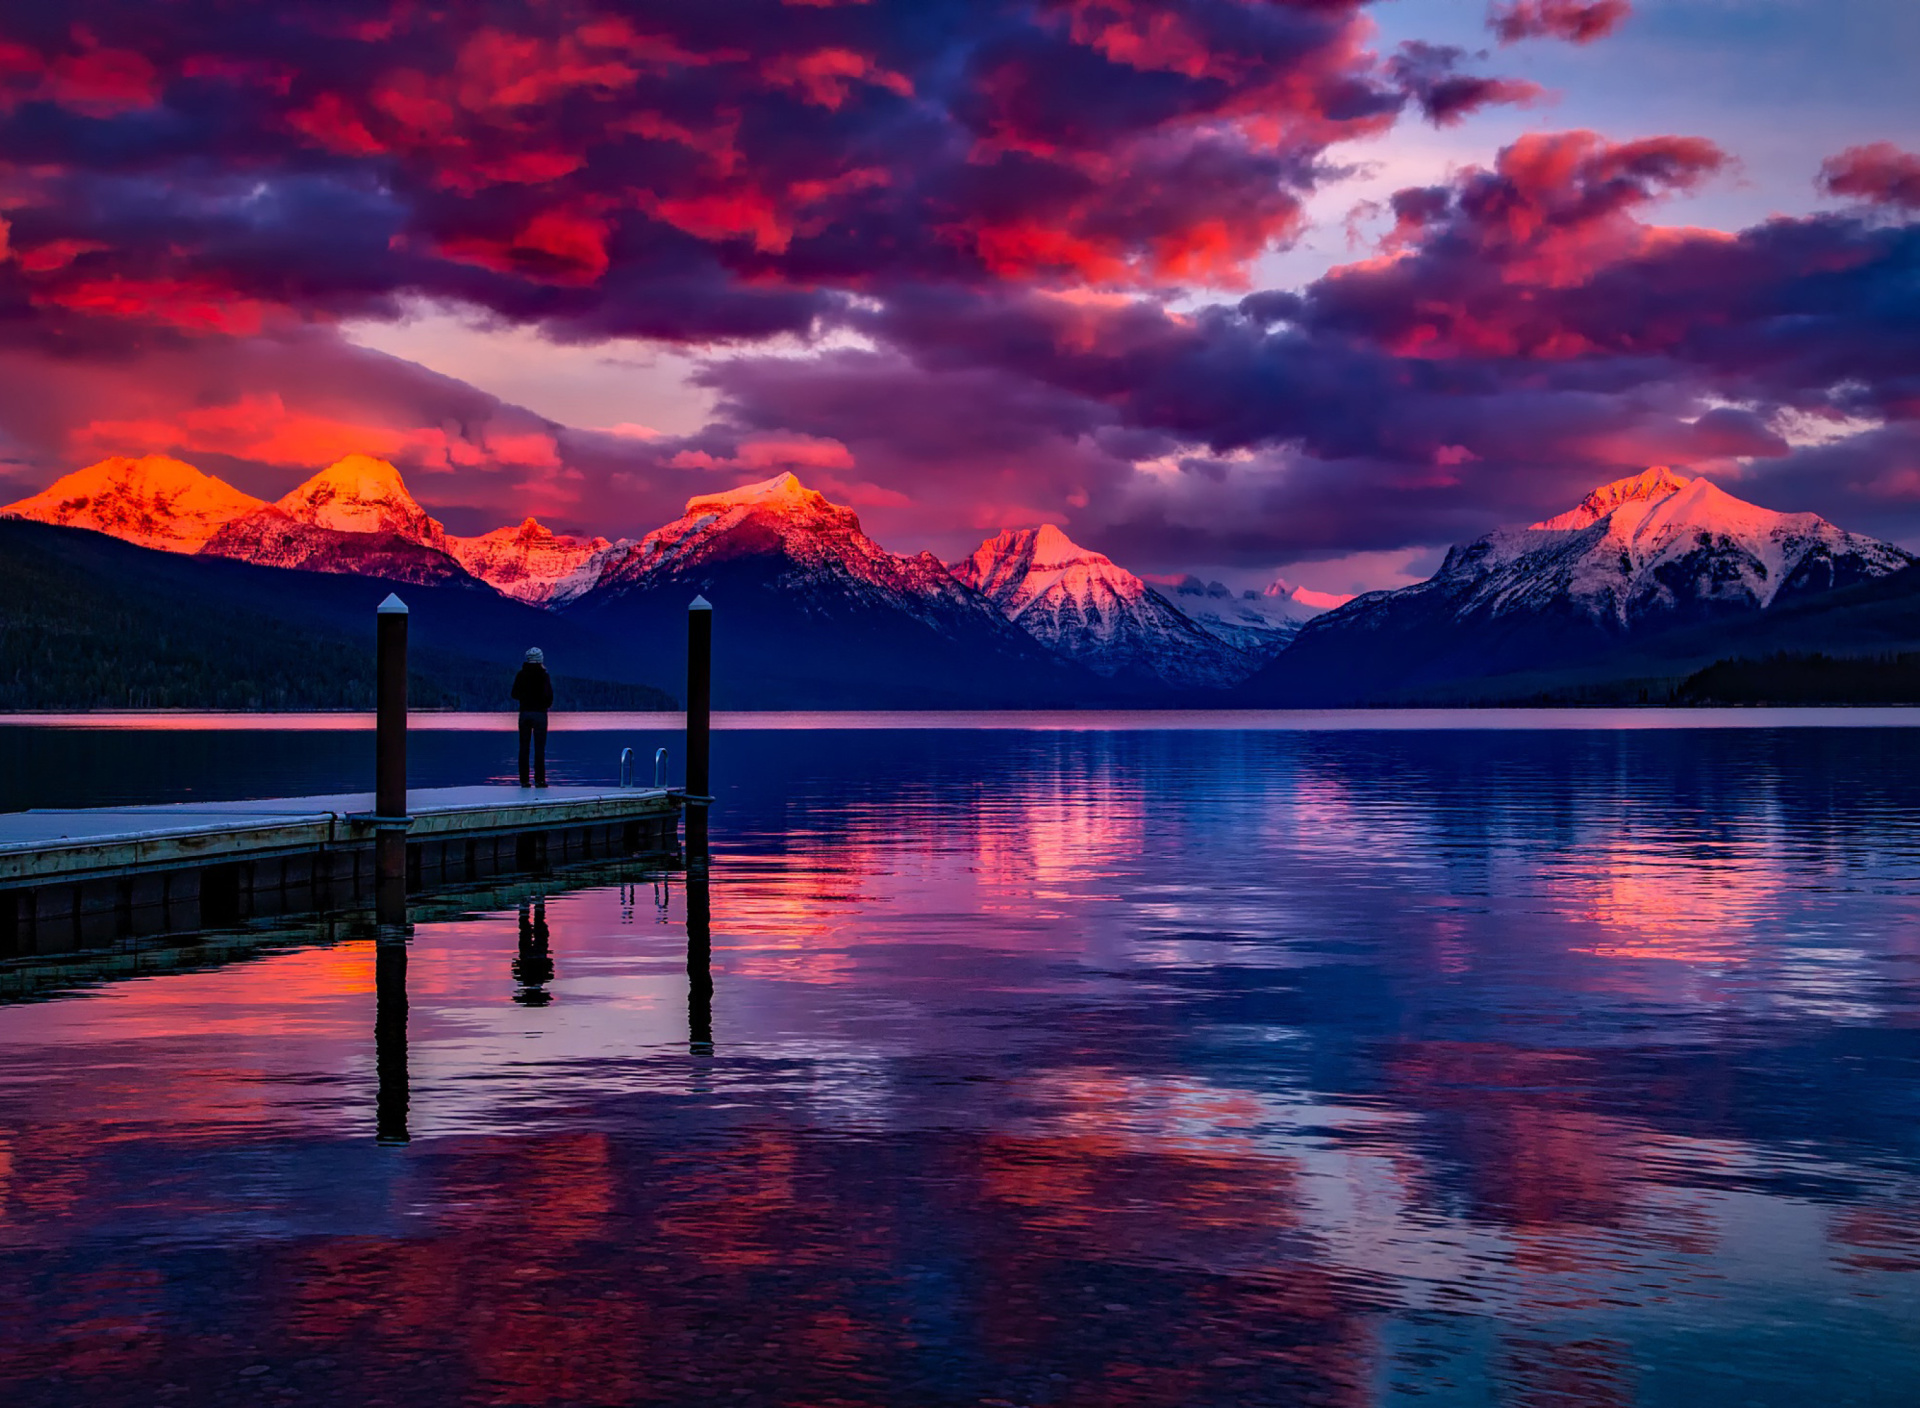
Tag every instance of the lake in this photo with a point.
(1555, 1061)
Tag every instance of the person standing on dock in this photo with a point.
(533, 690)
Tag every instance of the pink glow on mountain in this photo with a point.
(360, 494)
(533, 564)
(1025, 565)
(818, 542)
(1306, 596)
(1650, 485)
(155, 501)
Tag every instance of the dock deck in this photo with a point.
(73, 877)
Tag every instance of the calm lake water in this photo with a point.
(1070, 1066)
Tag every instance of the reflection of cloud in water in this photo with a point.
(1661, 900)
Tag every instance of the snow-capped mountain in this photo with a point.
(813, 544)
(360, 494)
(813, 612)
(1651, 553)
(1657, 546)
(1078, 603)
(533, 564)
(355, 516)
(155, 501)
(1258, 623)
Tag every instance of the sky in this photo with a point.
(1308, 288)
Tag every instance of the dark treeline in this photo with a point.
(74, 637)
(1806, 679)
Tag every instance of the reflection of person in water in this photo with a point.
(533, 965)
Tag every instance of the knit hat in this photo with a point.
(536, 656)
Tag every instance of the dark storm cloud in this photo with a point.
(997, 199)
(675, 171)
(1527, 337)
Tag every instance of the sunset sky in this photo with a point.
(1242, 287)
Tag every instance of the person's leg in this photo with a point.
(540, 750)
(526, 737)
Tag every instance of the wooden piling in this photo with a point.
(390, 746)
(699, 726)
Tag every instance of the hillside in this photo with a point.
(90, 622)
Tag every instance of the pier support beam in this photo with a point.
(699, 726)
(390, 758)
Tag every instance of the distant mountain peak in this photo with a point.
(156, 501)
(1259, 623)
(1648, 486)
(1020, 565)
(361, 494)
(1083, 605)
(782, 493)
(1653, 553)
(530, 562)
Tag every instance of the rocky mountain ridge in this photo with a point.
(1079, 604)
(831, 618)
(1262, 624)
(155, 501)
(1653, 553)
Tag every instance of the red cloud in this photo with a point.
(705, 177)
(826, 76)
(1880, 173)
(96, 81)
(332, 123)
(554, 247)
(767, 454)
(189, 304)
(263, 429)
(1480, 264)
(1578, 21)
(102, 82)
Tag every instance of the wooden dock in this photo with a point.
(77, 879)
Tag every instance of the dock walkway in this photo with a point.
(71, 878)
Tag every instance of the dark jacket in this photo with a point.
(533, 688)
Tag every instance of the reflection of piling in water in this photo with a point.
(533, 965)
(699, 727)
(699, 964)
(390, 1038)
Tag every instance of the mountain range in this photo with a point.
(1644, 580)
(1653, 568)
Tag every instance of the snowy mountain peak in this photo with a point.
(784, 493)
(1649, 486)
(1079, 603)
(1260, 623)
(811, 546)
(1053, 549)
(1022, 565)
(534, 564)
(155, 501)
(1648, 553)
(360, 494)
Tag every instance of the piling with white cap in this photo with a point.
(699, 726)
(390, 744)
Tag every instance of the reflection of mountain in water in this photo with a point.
(1187, 1067)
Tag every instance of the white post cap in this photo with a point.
(699, 603)
(392, 606)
